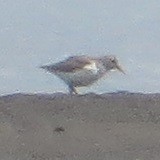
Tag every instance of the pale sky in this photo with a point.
(37, 32)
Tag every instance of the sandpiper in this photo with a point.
(79, 71)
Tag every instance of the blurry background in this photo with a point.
(37, 32)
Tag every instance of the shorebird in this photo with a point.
(79, 71)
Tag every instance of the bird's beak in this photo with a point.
(120, 69)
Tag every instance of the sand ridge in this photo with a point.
(115, 126)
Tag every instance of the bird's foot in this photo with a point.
(72, 90)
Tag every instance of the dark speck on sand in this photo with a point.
(59, 129)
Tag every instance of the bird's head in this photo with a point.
(111, 63)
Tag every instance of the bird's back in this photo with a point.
(69, 65)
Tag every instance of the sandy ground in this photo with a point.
(118, 126)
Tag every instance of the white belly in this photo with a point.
(84, 77)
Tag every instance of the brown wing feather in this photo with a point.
(69, 65)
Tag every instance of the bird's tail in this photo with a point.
(48, 68)
(44, 67)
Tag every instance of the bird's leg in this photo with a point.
(72, 89)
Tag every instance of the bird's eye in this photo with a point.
(112, 60)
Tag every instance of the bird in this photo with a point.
(83, 70)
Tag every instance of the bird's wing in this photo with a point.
(69, 65)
